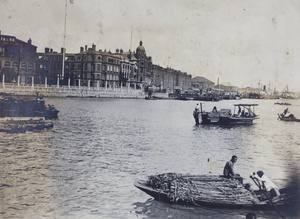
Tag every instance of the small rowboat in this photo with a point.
(208, 190)
(285, 116)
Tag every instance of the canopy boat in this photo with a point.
(285, 116)
(208, 190)
(243, 114)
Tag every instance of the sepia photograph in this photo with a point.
(147, 109)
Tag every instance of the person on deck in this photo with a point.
(228, 168)
(197, 108)
(267, 185)
(215, 109)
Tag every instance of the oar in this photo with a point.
(265, 193)
(270, 200)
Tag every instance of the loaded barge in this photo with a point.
(21, 113)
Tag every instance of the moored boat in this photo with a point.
(23, 124)
(209, 190)
(243, 114)
(26, 106)
(279, 103)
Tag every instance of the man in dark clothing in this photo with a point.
(228, 169)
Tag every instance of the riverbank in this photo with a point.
(72, 91)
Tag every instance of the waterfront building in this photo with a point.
(17, 60)
(20, 63)
(144, 63)
(129, 69)
(50, 67)
(94, 68)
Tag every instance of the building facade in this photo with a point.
(18, 60)
(20, 63)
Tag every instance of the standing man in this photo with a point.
(197, 108)
(266, 184)
(228, 169)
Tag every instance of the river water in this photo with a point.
(86, 165)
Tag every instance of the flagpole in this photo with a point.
(64, 49)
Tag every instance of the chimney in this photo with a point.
(51, 50)
(81, 49)
(94, 47)
(29, 41)
(62, 50)
(46, 50)
(117, 50)
(85, 48)
(121, 50)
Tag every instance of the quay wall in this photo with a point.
(73, 91)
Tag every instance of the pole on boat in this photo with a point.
(265, 193)
(201, 108)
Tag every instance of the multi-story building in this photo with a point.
(94, 68)
(50, 67)
(144, 64)
(20, 63)
(129, 68)
(17, 60)
(169, 79)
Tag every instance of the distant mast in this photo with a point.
(219, 87)
(64, 43)
(131, 41)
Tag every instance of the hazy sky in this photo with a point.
(238, 41)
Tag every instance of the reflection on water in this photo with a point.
(156, 209)
(86, 165)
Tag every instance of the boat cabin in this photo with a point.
(244, 110)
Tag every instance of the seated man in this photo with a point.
(228, 169)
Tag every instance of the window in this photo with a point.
(30, 67)
(15, 65)
(6, 64)
(23, 67)
(98, 67)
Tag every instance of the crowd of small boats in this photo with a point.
(21, 113)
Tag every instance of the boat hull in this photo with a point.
(225, 120)
(204, 190)
(288, 119)
(26, 106)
